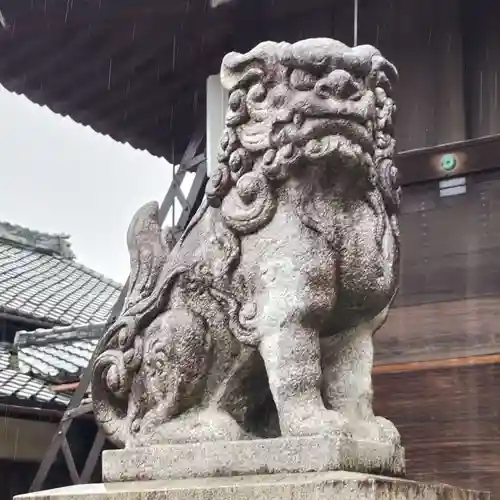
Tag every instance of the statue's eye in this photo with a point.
(395, 179)
(339, 84)
(160, 361)
(302, 80)
(257, 93)
(236, 99)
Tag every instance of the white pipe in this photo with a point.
(217, 98)
(356, 9)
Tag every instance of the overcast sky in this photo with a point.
(60, 177)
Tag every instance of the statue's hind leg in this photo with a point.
(347, 360)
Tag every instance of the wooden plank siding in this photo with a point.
(423, 39)
(424, 164)
(482, 71)
(448, 57)
(437, 358)
(451, 245)
(449, 419)
(440, 330)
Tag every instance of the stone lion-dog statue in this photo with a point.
(258, 322)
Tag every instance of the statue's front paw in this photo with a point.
(376, 429)
(387, 431)
(313, 422)
(191, 427)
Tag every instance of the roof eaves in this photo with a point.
(58, 334)
(18, 386)
(15, 314)
(52, 244)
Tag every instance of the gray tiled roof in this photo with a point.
(14, 384)
(50, 287)
(39, 279)
(58, 355)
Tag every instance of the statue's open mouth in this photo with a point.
(355, 132)
(318, 133)
(352, 117)
(311, 118)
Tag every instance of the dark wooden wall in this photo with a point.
(450, 280)
(482, 72)
(447, 53)
(423, 39)
(16, 477)
(448, 57)
(437, 373)
(449, 419)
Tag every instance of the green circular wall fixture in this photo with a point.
(448, 162)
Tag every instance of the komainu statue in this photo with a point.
(258, 323)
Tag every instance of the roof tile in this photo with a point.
(57, 355)
(40, 279)
(25, 387)
(53, 288)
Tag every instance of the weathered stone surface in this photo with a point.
(321, 486)
(259, 322)
(268, 456)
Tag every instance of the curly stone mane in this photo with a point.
(290, 106)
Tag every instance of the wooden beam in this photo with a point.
(437, 364)
(26, 320)
(31, 411)
(193, 200)
(174, 190)
(70, 462)
(470, 156)
(93, 457)
(79, 411)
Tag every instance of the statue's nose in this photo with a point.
(338, 83)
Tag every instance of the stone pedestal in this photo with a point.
(336, 485)
(252, 457)
(282, 469)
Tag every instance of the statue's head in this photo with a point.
(293, 105)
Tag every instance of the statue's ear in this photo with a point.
(242, 75)
(169, 238)
(240, 70)
(385, 73)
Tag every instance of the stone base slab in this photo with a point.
(319, 486)
(259, 456)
